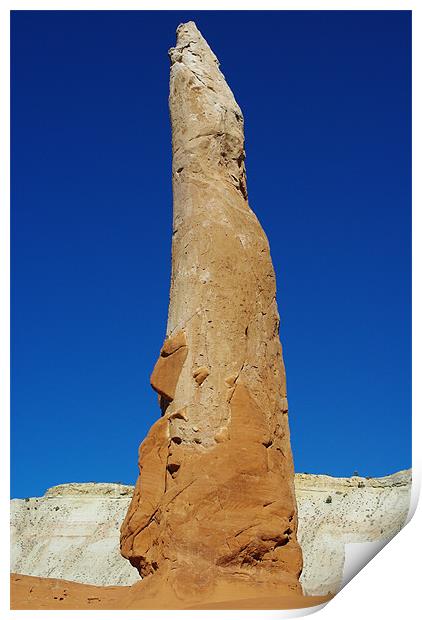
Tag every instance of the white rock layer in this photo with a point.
(336, 511)
(73, 531)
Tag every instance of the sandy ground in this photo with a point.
(41, 593)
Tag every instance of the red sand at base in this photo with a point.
(42, 593)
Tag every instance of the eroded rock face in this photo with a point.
(168, 367)
(72, 532)
(215, 498)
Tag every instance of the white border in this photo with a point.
(388, 586)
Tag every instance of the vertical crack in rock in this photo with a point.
(215, 500)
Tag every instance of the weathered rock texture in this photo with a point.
(73, 531)
(337, 511)
(215, 497)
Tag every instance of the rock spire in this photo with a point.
(214, 503)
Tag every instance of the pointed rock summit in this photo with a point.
(214, 505)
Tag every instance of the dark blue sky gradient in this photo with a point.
(326, 100)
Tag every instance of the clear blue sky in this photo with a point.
(326, 99)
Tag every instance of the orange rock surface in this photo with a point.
(214, 505)
(43, 593)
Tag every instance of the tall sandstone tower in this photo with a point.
(214, 502)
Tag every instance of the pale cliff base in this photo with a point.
(336, 511)
(40, 593)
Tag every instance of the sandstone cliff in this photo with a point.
(73, 531)
(215, 498)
